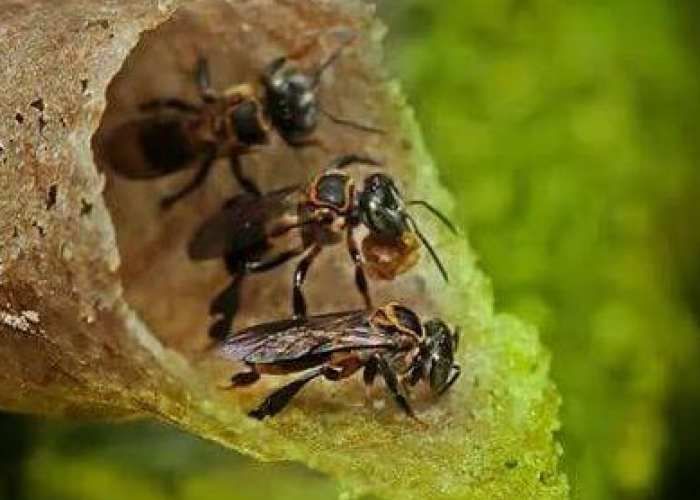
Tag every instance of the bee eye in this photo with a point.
(244, 119)
(440, 349)
(440, 368)
(380, 209)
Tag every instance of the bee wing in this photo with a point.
(242, 223)
(150, 147)
(290, 339)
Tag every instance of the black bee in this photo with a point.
(257, 233)
(391, 341)
(175, 135)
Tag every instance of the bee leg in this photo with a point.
(392, 383)
(225, 304)
(158, 105)
(369, 374)
(277, 400)
(413, 375)
(168, 201)
(371, 370)
(245, 182)
(342, 368)
(220, 329)
(360, 278)
(244, 379)
(298, 301)
(266, 265)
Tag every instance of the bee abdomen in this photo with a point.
(149, 148)
(166, 146)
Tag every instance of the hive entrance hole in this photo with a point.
(168, 291)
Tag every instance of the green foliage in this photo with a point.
(560, 127)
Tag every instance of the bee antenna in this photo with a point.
(431, 251)
(437, 213)
(318, 73)
(341, 162)
(349, 123)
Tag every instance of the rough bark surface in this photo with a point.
(102, 315)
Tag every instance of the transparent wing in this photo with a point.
(289, 340)
(245, 221)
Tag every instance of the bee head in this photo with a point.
(381, 207)
(439, 368)
(291, 100)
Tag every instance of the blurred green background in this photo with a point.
(50, 460)
(568, 132)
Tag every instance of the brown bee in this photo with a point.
(175, 135)
(254, 233)
(391, 340)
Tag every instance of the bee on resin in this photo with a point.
(391, 341)
(175, 135)
(255, 234)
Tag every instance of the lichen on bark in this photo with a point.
(104, 316)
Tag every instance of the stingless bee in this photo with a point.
(257, 233)
(175, 135)
(391, 341)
